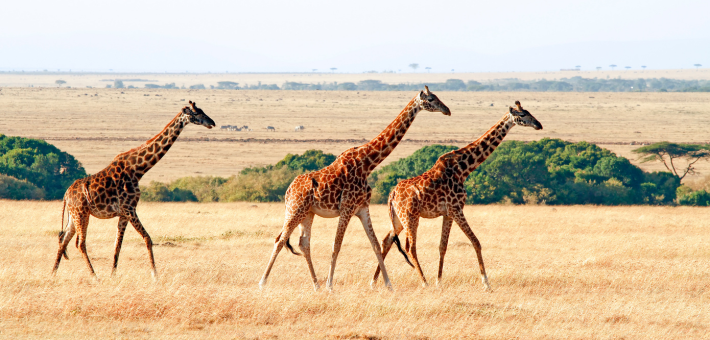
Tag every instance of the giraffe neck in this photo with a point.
(472, 155)
(144, 157)
(381, 146)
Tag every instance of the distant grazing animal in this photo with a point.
(440, 192)
(300, 128)
(270, 128)
(341, 190)
(114, 192)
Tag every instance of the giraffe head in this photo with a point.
(523, 118)
(431, 102)
(195, 115)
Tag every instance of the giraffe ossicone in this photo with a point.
(114, 192)
(440, 191)
(341, 190)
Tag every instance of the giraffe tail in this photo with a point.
(62, 232)
(290, 248)
(288, 245)
(395, 238)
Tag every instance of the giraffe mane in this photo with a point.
(146, 143)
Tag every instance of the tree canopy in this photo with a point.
(39, 163)
(667, 152)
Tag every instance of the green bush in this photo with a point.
(15, 189)
(255, 184)
(548, 171)
(39, 163)
(700, 198)
(161, 192)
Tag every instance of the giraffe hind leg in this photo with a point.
(83, 224)
(64, 239)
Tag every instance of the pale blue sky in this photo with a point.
(297, 36)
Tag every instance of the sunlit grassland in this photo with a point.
(556, 272)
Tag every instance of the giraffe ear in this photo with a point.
(520, 107)
(426, 90)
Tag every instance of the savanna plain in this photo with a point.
(556, 271)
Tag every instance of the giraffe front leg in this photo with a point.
(136, 223)
(364, 216)
(463, 224)
(305, 245)
(122, 224)
(65, 238)
(445, 231)
(343, 221)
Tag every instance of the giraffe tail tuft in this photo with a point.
(395, 239)
(290, 248)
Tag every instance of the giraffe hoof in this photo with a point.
(316, 286)
(262, 284)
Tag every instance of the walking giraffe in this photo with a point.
(114, 190)
(440, 192)
(341, 190)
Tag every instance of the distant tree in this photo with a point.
(599, 68)
(612, 66)
(578, 67)
(60, 82)
(333, 69)
(197, 87)
(227, 85)
(118, 84)
(643, 67)
(428, 68)
(315, 69)
(627, 67)
(667, 152)
(697, 65)
(414, 66)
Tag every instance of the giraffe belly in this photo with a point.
(325, 212)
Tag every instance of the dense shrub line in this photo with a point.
(549, 171)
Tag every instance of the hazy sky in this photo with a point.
(355, 36)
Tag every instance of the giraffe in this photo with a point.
(113, 191)
(440, 192)
(341, 190)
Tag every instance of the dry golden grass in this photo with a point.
(109, 121)
(562, 272)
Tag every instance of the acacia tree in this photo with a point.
(612, 66)
(667, 152)
(414, 66)
(60, 82)
(697, 65)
